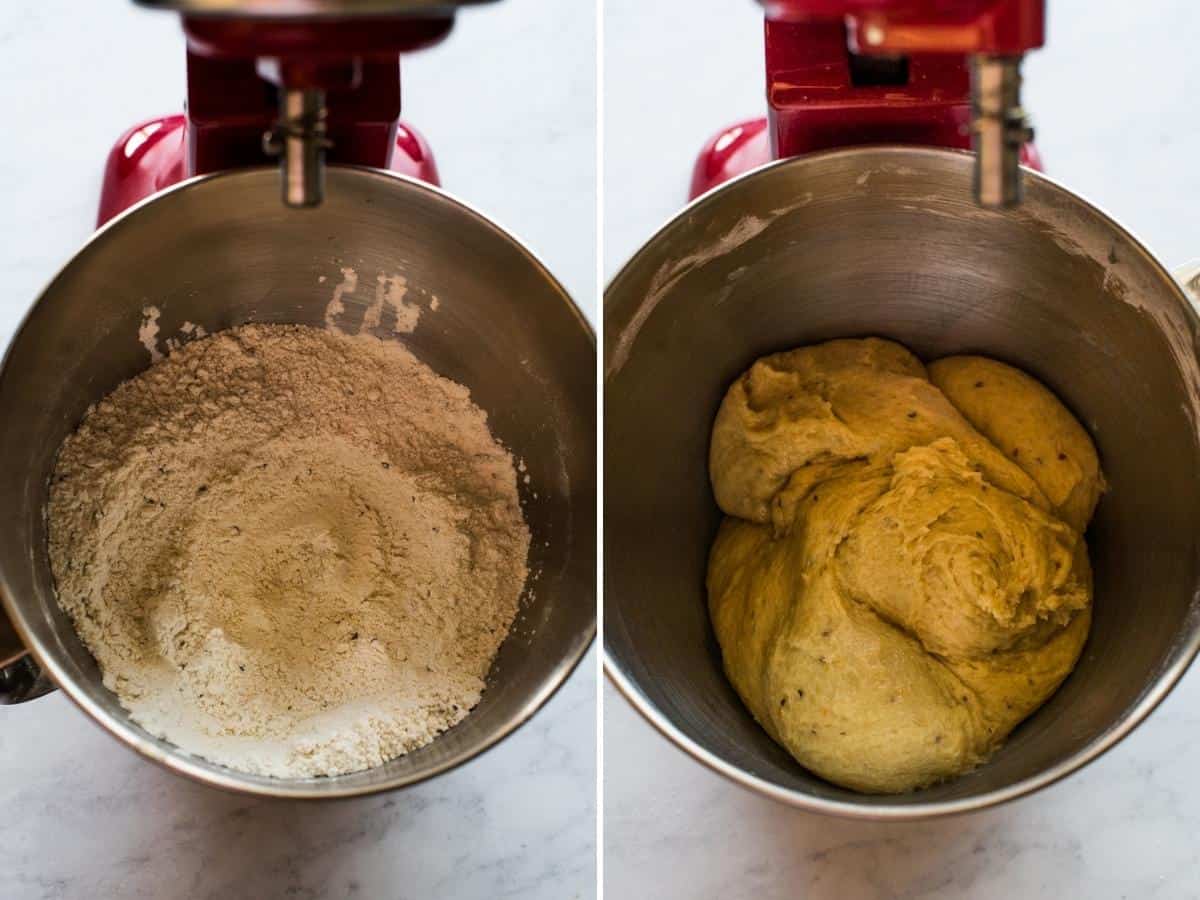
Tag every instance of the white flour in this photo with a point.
(291, 552)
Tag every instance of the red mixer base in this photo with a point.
(153, 155)
(746, 145)
(737, 149)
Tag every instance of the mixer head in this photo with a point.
(310, 9)
(310, 50)
(914, 81)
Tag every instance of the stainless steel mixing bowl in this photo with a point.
(220, 251)
(887, 241)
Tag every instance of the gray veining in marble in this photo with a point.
(1114, 101)
(508, 104)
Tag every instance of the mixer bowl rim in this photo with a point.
(1166, 678)
(178, 760)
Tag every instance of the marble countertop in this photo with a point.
(508, 104)
(1128, 826)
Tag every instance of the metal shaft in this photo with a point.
(999, 129)
(301, 137)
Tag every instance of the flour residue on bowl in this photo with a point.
(672, 271)
(148, 332)
(391, 292)
(389, 309)
(866, 175)
(337, 305)
(1131, 286)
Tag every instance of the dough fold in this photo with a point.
(902, 575)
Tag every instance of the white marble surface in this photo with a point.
(1114, 101)
(508, 104)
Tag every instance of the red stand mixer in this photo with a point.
(307, 80)
(846, 72)
(872, 227)
(301, 80)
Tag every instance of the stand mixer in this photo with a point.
(873, 221)
(310, 80)
(301, 80)
(840, 73)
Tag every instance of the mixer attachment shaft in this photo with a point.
(299, 139)
(999, 129)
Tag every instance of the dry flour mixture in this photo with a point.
(292, 552)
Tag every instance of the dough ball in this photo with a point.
(892, 591)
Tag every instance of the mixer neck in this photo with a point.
(307, 10)
(845, 72)
(299, 139)
(301, 80)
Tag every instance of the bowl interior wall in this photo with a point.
(888, 242)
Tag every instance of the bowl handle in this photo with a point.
(1188, 276)
(21, 678)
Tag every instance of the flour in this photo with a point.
(291, 552)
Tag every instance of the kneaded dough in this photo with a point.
(1028, 424)
(902, 575)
